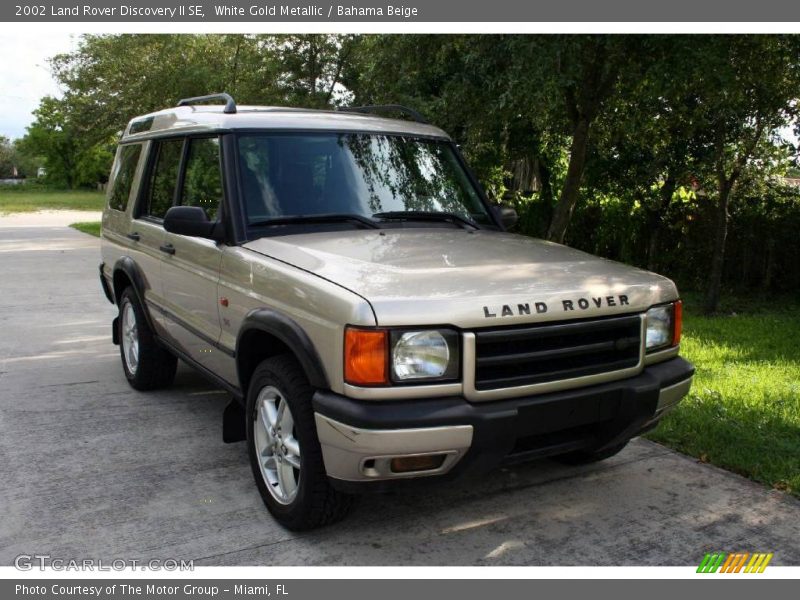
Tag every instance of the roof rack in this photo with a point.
(230, 103)
(376, 108)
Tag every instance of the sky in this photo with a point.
(25, 76)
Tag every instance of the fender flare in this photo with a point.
(292, 335)
(127, 265)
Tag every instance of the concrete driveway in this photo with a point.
(91, 468)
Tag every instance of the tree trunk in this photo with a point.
(655, 221)
(342, 58)
(545, 183)
(718, 256)
(312, 66)
(652, 249)
(769, 268)
(546, 198)
(235, 69)
(572, 183)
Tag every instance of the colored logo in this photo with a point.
(735, 562)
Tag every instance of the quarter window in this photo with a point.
(122, 176)
(202, 184)
(164, 178)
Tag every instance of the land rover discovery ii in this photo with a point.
(345, 278)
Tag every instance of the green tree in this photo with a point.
(748, 87)
(53, 137)
(70, 159)
(586, 70)
(506, 98)
(93, 164)
(652, 144)
(466, 84)
(310, 66)
(110, 79)
(8, 158)
(27, 164)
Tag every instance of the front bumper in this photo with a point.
(359, 438)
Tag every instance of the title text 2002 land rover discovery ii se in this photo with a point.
(345, 278)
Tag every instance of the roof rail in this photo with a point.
(230, 103)
(376, 108)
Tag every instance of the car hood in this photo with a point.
(468, 279)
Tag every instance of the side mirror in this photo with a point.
(506, 214)
(192, 221)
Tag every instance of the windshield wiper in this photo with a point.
(419, 215)
(322, 218)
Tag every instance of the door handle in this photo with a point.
(134, 236)
(168, 248)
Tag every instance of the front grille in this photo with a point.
(518, 356)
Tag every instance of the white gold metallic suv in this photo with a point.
(344, 277)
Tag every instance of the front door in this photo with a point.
(191, 267)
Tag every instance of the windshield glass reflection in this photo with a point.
(357, 174)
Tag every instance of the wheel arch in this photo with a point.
(126, 273)
(265, 333)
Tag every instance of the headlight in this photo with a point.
(663, 326)
(379, 357)
(428, 354)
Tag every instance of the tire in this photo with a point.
(281, 436)
(583, 457)
(149, 366)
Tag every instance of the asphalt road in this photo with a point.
(91, 468)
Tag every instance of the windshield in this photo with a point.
(366, 175)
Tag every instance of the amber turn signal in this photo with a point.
(366, 353)
(677, 322)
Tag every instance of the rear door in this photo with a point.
(146, 230)
(191, 268)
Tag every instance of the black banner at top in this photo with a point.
(209, 11)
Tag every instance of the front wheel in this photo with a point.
(284, 450)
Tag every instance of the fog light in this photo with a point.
(407, 464)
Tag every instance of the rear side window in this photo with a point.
(163, 178)
(122, 175)
(202, 184)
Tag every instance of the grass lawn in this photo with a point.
(743, 413)
(90, 227)
(13, 200)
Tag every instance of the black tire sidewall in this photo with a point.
(272, 372)
(156, 366)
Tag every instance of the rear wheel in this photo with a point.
(284, 450)
(147, 365)
(583, 457)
